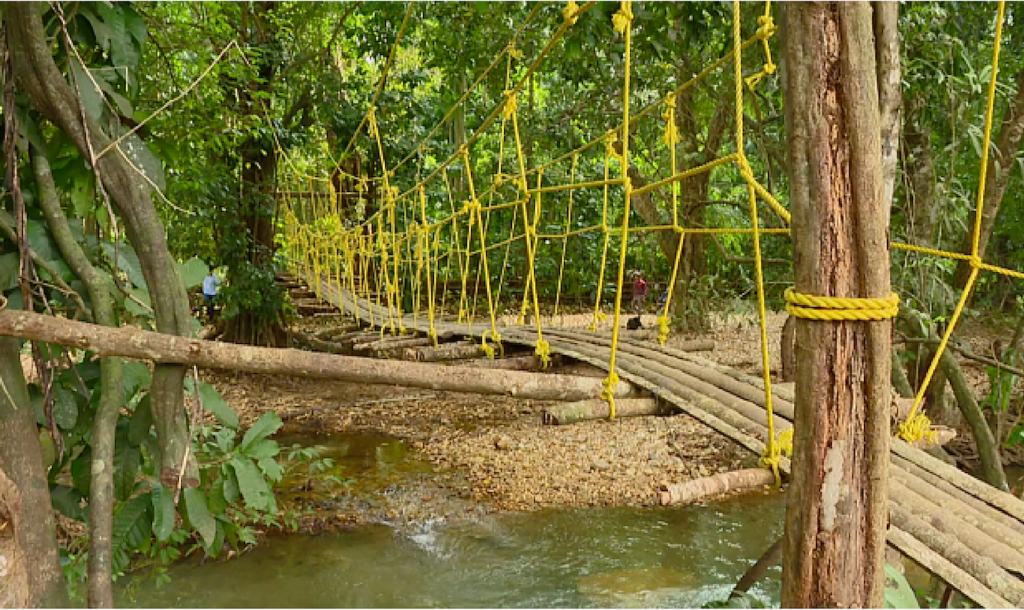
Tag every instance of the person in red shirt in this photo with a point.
(639, 292)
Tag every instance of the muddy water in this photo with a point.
(664, 557)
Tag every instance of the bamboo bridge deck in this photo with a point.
(962, 530)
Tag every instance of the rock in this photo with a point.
(504, 443)
(599, 464)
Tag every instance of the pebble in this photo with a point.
(600, 464)
(504, 443)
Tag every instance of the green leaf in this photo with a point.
(68, 501)
(142, 157)
(264, 449)
(127, 261)
(192, 273)
(254, 488)
(218, 503)
(163, 512)
(81, 471)
(267, 424)
(136, 376)
(898, 592)
(65, 407)
(142, 421)
(40, 240)
(92, 99)
(215, 404)
(127, 459)
(132, 522)
(272, 469)
(49, 449)
(9, 271)
(199, 515)
(231, 492)
(141, 296)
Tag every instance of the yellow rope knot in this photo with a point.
(569, 12)
(469, 207)
(510, 104)
(489, 349)
(514, 53)
(774, 451)
(671, 137)
(608, 393)
(839, 308)
(765, 26)
(371, 120)
(663, 329)
(622, 19)
(916, 427)
(544, 351)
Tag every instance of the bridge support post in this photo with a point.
(837, 505)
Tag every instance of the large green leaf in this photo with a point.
(68, 501)
(267, 424)
(9, 271)
(81, 471)
(264, 449)
(254, 487)
(65, 407)
(142, 157)
(898, 592)
(142, 421)
(199, 515)
(132, 305)
(137, 376)
(215, 403)
(92, 99)
(127, 261)
(127, 459)
(192, 272)
(132, 523)
(163, 512)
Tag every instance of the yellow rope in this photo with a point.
(910, 429)
(622, 22)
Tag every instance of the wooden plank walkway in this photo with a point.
(968, 533)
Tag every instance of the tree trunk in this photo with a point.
(45, 86)
(161, 348)
(101, 487)
(28, 499)
(837, 505)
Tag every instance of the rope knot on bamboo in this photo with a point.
(841, 308)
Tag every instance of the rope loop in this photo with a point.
(510, 104)
(915, 428)
(371, 119)
(608, 393)
(623, 18)
(514, 53)
(663, 329)
(569, 12)
(544, 351)
(775, 450)
(841, 308)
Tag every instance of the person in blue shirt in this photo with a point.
(211, 285)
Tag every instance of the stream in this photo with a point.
(556, 558)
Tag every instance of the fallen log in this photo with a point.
(391, 343)
(597, 408)
(445, 351)
(321, 345)
(706, 487)
(156, 347)
(513, 363)
(328, 334)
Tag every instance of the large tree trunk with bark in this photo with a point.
(45, 86)
(837, 505)
(26, 499)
